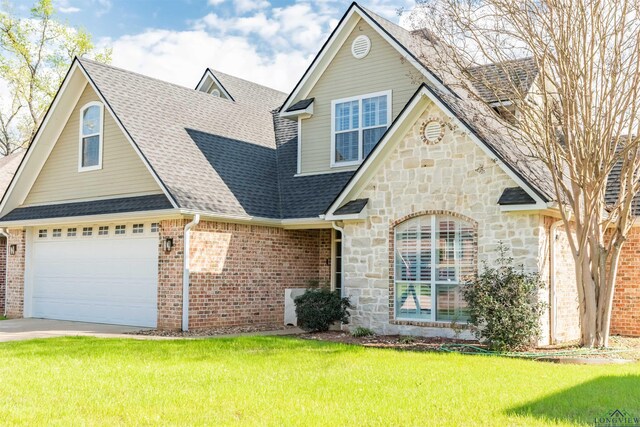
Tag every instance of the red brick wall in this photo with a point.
(3, 271)
(625, 318)
(15, 274)
(238, 272)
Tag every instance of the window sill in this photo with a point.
(346, 164)
(430, 324)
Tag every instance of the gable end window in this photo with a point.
(434, 256)
(91, 135)
(357, 124)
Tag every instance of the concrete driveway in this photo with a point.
(26, 329)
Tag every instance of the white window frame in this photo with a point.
(433, 283)
(100, 135)
(360, 129)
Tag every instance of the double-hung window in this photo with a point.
(91, 126)
(434, 256)
(357, 125)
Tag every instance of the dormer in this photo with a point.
(210, 84)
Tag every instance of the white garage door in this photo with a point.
(92, 274)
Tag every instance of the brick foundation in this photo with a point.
(625, 318)
(15, 274)
(238, 272)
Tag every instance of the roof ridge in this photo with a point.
(144, 76)
(214, 71)
(124, 70)
(508, 61)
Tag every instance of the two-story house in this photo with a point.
(141, 202)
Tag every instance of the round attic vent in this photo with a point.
(432, 131)
(215, 92)
(361, 47)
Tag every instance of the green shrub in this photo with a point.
(318, 308)
(360, 332)
(503, 305)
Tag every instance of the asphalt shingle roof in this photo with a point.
(301, 105)
(352, 207)
(504, 81)
(96, 207)
(515, 196)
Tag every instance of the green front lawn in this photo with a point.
(287, 381)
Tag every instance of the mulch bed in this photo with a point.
(572, 353)
(398, 342)
(212, 332)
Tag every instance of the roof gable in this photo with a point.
(399, 38)
(406, 118)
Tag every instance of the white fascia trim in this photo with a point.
(521, 208)
(350, 217)
(209, 73)
(501, 104)
(335, 170)
(36, 138)
(156, 214)
(135, 147)
(299, 142)
(212, 216)
(401, 49)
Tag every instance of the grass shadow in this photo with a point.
(588, 402)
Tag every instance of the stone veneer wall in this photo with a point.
(625, 317)
(15, 274)
(454, 176)
(238, 272)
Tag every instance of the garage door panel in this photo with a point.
(96, 279)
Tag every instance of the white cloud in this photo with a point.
(182, 56)
(104, 6)
(271, 46)
(63, 6)
(244, 6)
(215, 2)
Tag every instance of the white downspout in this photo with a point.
(185, 273)
(4, 233)
(341, 230)
(553, 318)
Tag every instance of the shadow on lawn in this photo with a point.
(588, 402)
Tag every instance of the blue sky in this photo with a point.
(270, 42)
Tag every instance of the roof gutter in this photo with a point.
(185, 272)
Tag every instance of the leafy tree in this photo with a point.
(35, 54)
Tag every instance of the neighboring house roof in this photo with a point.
(8, 166)
(504, 81)
(95, 207)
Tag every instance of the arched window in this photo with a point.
(434, 255)
(90, 152)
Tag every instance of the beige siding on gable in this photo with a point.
(123, 173)
(382, 69)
